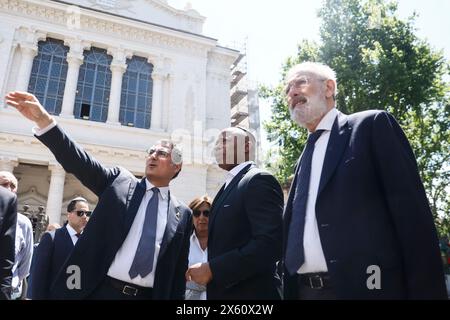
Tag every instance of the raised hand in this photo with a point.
(29, 106)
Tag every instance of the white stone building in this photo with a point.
(118, 76)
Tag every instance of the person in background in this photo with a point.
(23, 245)
(198, 253)
(54, 248)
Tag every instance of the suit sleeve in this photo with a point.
(264, 207)
(7, 243)
(179, 283)
(40, 272)
(409, 208)
(77, 161)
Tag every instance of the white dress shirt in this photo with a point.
(196, 255)
(234, 172)
(314, 257)
(72, 234)
(125, 255)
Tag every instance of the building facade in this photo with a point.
(117, 76)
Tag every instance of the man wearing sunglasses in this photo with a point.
(54, 248)
(136, 245)
(245, 226)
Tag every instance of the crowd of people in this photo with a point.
(356, 223)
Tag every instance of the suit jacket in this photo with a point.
(120, 195)
(371, 209)
(8, 221)
(50, 256)
(245, 236)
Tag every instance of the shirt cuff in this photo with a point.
(39, 132)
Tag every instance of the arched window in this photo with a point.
(94, 83)
(136, 98)
(48, 74)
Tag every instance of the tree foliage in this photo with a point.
(380, 64)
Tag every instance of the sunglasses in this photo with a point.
(81, 213)
(196, 213)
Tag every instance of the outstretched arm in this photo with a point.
(66, 151)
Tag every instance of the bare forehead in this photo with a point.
(160, 147)
(295, 74)
(7, 175)
(233, 132)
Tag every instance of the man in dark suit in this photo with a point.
(54, 248)
(245, 226)
(8, 221)
(136, 244)
(357, 223)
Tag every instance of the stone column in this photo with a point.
(158, 76)
(118, 68)
(115, 93)
(157, 101)
(26, 64)
(74, 60)
(55, 193)
(27, 39)
(8, 164)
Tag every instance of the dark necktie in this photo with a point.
(143, 258)
(294, 251)
(77, 235)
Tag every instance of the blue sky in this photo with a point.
(272, 30)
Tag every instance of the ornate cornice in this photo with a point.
(60, 14)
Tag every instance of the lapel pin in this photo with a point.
(177, 215)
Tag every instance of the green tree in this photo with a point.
(380, 64)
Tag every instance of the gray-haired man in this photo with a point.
(137, 241)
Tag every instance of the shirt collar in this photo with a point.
(163, 191)
(327, 121)
(71, 230)
(234, 172)
(196, 241)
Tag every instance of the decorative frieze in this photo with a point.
(63, 15)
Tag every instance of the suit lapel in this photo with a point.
(173, 218)
(223, 194)
(339, 136)
(68, 243)
(135, 194)
(288, 208)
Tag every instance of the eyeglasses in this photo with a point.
(81, 213)
(197, 213)
(159, 153)
(299, 83)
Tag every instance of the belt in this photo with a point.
(129, 289)
(317, 280)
